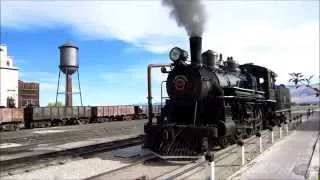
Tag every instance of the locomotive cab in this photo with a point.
(264, 79)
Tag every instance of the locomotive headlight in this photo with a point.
(175, 53)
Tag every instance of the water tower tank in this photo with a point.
(68, 58)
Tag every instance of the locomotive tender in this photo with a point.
(213, 103)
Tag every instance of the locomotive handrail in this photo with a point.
(270, 100)
(244, 89)
(251, 90)
(261, 92)
(283, 110)
(150, 66)
(162, 93)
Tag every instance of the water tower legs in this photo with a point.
(79, 87)
(68, 90)
(58, 88)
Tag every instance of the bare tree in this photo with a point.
(298, 80)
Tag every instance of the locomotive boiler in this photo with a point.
(211, 103)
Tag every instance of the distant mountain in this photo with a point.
(304, 94)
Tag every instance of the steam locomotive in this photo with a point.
(213, 103)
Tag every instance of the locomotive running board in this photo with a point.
(174, 157)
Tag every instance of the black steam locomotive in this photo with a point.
(213, 102)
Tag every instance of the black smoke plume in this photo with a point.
(188, 13)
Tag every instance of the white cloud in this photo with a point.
(283, 36)
(283, 51)
(130, 21)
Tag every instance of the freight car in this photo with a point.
(59, 116)
(156, 110)
(11, 118)
(34, 117)
(54, 116)
(112, 113)
(213, 102)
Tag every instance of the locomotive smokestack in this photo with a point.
(195, 51)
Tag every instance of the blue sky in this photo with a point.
(110, 70)
(118, 39)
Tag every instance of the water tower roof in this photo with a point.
(68, 44)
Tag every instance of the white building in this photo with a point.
(9, 76)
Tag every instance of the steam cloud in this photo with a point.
(188, 13)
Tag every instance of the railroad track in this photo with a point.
(220, 156)
(30, 163)
(181, 170)
(178, 169)
(223, 173)
(159, 169)
(174, 169)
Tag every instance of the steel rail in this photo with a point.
(220, 155)
(104, 147)
(24, 162)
